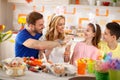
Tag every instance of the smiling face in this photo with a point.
(35, 22)
(38, 27)
(112, 32)
(88, 33)
(56, 28)
(60, 25)
(107, 36)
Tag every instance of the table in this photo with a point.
(33, 76)
(36, 76)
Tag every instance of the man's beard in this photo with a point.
(36, 31)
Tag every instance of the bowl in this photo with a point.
(105, 3)
(83, 78)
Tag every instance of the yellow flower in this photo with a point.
(22, 20)
(4, 35)
(2, 27)
(9, 32)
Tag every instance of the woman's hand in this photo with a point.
(40, 55)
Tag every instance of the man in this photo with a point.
(111, 35)
(27, 43)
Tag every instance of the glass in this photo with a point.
(91, 67)
(114, 74)
(81, 66)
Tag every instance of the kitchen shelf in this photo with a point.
(85, 2)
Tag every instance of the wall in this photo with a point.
(0, 11)
(76, 15)
(6, 14)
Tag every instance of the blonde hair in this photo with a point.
(52, 33)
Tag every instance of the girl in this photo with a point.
(89, 47)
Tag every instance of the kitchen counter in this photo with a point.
(35, 76)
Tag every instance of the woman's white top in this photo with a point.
(57, 53)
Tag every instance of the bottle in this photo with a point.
(77, 1)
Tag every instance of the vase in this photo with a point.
(91, 2)
(114, 3)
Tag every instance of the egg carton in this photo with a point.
(61, 69)
(15, 71)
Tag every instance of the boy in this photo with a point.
(110, 36)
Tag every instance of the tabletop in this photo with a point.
(37, 76)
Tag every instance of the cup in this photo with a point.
(91, 67)
(81, 66)
(114, 74)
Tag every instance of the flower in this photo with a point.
(29, 1)
(22, 20)
(4, 35)
(2, 27)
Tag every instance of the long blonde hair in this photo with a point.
(52, 32)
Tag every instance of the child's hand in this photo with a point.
(68, 48)
(67, 54)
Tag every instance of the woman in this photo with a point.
(88, 48)
(55, 32)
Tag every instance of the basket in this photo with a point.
(114, 74)
(15, 71)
